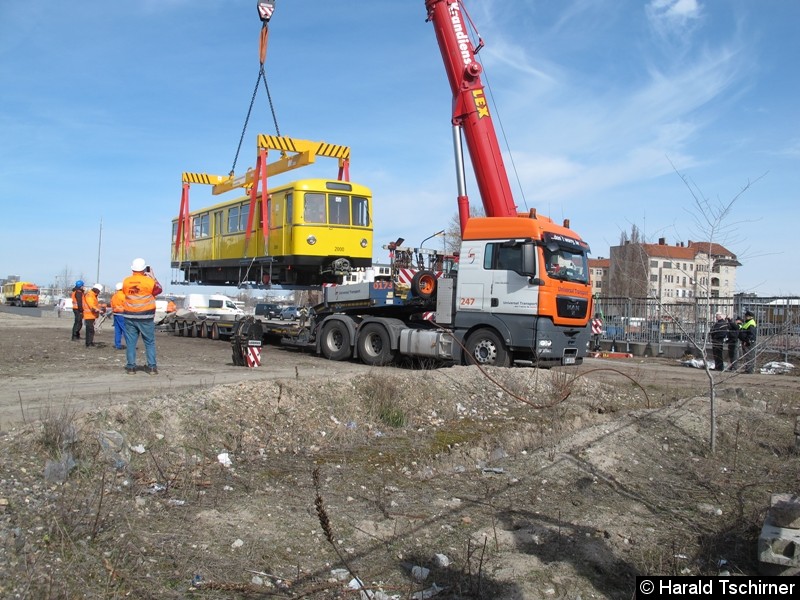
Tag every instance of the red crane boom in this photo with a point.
(470, 112)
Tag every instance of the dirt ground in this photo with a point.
(292, 479)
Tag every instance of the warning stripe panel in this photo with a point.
(205, 178)
(333, 150)
(253, 356)
(277, 142)
(406, 275)
(288, 144)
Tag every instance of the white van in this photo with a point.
(63, 305)
(212, 306)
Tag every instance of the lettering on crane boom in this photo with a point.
(480, 103)
(461, 35)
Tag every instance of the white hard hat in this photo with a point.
(138, 264)
(118, 287)
(97, 287)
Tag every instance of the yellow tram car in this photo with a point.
(318, 230)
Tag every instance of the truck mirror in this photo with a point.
(528, 259)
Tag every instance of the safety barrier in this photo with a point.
(246, 342)
(679, 322)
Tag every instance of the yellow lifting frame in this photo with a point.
(304, 152)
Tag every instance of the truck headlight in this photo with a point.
(545, 343)
(364, 242)
(311, 240)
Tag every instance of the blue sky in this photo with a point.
(597, 103)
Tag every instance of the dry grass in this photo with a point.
(315, 465)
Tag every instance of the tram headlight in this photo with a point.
(311, 240)
(364, 242)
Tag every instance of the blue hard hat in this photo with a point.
(79, 283)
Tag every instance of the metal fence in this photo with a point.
(689, 320)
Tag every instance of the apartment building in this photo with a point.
(671, 272)
(598, 270)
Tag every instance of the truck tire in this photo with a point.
(335, 341)
(374, 345)
(485, 348)
(423, 284)
(202, 330)
(214, 332)
(180, 327)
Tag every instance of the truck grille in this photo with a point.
(571, 308)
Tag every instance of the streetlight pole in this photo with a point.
(422, 243)
(438, 233)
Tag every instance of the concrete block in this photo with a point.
(785, 511)
(779, 546)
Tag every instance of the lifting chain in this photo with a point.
(261, 76)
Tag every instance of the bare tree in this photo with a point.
(630, 276)
(712, 223)
(64, 279)
(634, 237)
(453, 229)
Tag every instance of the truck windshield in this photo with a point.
(566, 264)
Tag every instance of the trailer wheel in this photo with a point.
(214, 332)
(374, 345)
(485, 348)
(202, 330)
(180, 326)
(423, 284)
(335, 341)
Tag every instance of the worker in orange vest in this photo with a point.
(141, 289)
(118, 307)
(171, 308)
(91, 310)
(77, 309)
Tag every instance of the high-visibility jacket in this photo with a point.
(77, 299)
(747, 331)
(118, 302)
(171, 308)
(140, 296)
(91, 307)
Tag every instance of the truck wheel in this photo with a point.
(485, 348)
(374, 345)
(189, 328)
(335, 341)
(423, 284)
(202, 330)
(180, 328)
(215, 332)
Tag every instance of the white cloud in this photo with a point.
(673, 18)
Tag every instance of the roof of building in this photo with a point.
(688, 251)
(712, 248)
(599, 263)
